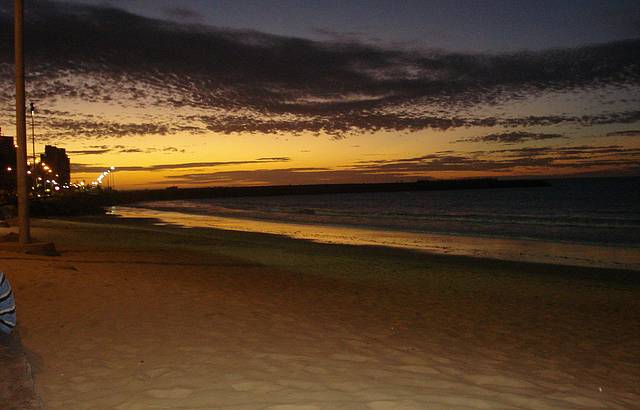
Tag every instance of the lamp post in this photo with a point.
(32, 108)
(21, 134)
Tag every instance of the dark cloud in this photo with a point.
(269, 84)
(513, 137)
(87, 168)
(214, 163)
(624, 117)
(569, 152)
(283, 176)
(573, 160)
(182, 13)
(187, 165)
(121, 149)
(345, 36)
(89, 151)
(625, 133)
(135, 150)
(275, 159)
(61, 127)
(510, 160)
(341, 125)
(130, 150)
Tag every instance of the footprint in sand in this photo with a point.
(419, 369)
(496, 380)
(157, 372)
(125, 349)
(86, 346)
(317, 370)
(352, 358)
(175, 393)
(79, 379)
(281, 357)
(379, 373)
(395, 405)
(358, 343)
(300, 384)
(256, 387)
(84, 387)
(350, 387)
(99, 372)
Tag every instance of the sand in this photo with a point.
(135, 316)
(17, 391)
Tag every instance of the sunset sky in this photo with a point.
(198, 93)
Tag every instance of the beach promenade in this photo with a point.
(134, 316)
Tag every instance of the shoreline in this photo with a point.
(512, 249)
(133, 315)
(201, 239)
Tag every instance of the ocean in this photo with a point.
(587, 222)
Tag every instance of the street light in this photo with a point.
(108, 174)
(113, 177)
(32, 108)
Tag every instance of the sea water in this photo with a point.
(589, 221)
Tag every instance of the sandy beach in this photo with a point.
(135, 316)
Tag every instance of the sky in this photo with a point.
(204, 93)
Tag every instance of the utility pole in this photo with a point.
(21, 132)
(32, 108)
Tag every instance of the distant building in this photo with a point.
(7, 166)
(7, 153)
(58, 161)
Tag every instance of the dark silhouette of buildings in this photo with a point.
(7, 153)
(50, 175)
(58, 161)
(7, 166)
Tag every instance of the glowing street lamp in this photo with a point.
(112, 170)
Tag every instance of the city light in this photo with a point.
(108, 174)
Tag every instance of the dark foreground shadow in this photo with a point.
(17, 390)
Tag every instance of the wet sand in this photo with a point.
(512, 249)
(136, 316)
